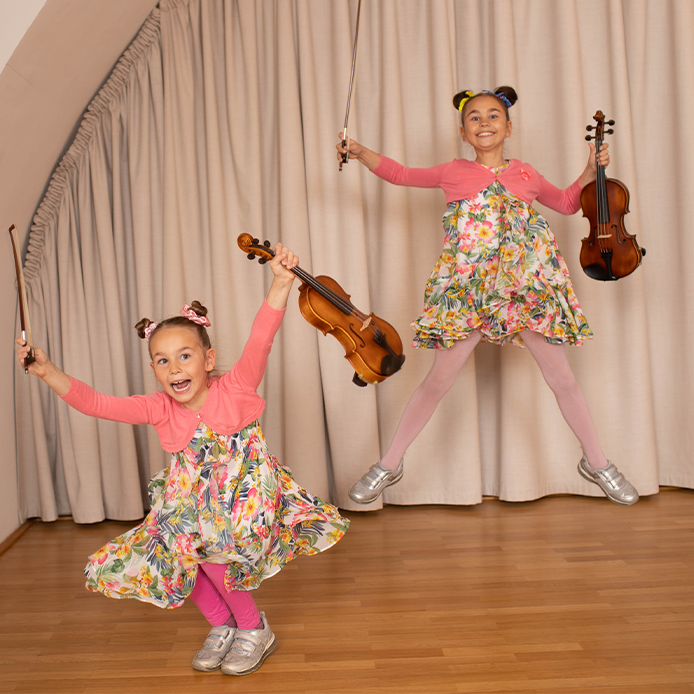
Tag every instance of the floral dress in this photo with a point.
(500, 273)
(224, 500)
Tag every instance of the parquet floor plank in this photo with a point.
(564, 595)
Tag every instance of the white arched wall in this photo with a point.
(15, 19)
(55, 54)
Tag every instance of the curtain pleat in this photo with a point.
(222, 118)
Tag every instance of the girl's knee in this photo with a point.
(562, 380)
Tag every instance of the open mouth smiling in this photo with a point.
(180, 386)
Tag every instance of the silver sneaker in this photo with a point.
(616, 487)
(216, 646)
(249, 650)
(372, 483)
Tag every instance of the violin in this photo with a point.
(609, 252)
(372, 346)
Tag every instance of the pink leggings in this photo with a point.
(217, 604)
(554, 366)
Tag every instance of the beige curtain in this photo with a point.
(222, 118)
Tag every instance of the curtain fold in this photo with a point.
(222, 118)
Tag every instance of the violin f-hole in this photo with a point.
(362, 344)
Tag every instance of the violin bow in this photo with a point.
(22, 290)
(345, 129)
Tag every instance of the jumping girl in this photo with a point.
(500, 279)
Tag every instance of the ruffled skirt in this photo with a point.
(225, 500)
(500, 273)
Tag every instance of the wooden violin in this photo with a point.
(608, 252)
(372, 346)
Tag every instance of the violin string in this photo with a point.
(602, 202)
(338, 301)
(598, 191)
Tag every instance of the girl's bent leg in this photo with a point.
(208, 600)
(221, 637)
(557, 373)
(254, 640)
(388, 470)
(240, 602)
(593, 466)
(421, 406)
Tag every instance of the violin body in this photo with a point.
(617, 255)
(371, 360)
(372, 346)
(609, 252)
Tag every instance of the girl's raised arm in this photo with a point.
(44, 368)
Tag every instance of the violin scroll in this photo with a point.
(253, 248)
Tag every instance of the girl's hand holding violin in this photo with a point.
(589, 174)
(43, 367)
(283, 278)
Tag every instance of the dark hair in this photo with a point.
(179, 322)
(503, 94)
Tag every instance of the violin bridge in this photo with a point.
(365, 324)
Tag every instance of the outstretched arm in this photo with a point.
(136, 409)
(44, 368)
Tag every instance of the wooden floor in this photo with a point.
(565, 594)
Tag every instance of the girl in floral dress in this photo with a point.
(225, 514)
(500, 279)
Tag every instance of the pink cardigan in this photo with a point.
(462, 179)
(231, 404)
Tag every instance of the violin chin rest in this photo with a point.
(391, 364)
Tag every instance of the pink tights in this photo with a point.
(447, 364)
(217, 604)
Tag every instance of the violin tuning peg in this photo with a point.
(610, 131)
(262, 261)
(251, 256)
(610, 122)
(589, 128)
(256, 242)
(266, 243)
(589, 138)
